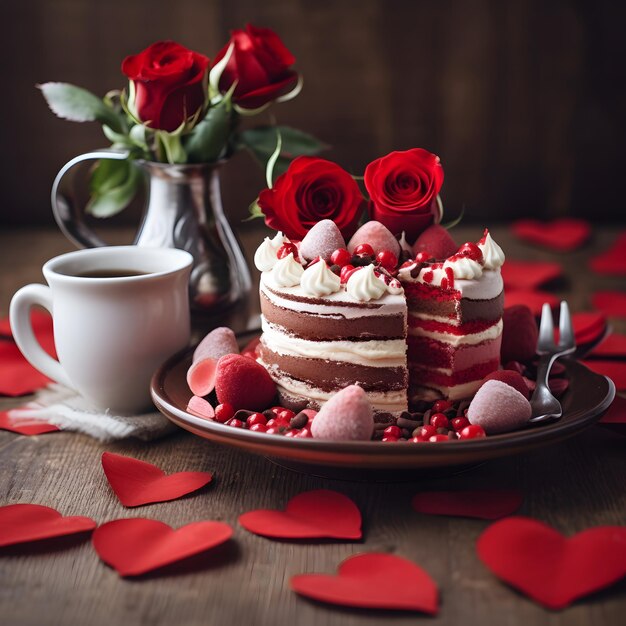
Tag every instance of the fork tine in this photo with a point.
(546, 329)
(566, 330)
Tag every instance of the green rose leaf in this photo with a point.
(79, 105)
(261, 141)
(113, 186)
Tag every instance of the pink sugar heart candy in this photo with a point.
(201, 376)
(200, 408)
(347, 416)
(216, 344)
(377, 236)
(321, 241)
(499, 408)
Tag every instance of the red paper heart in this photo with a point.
(312, 514)
(17, 376)
(41, 321)
(612, 346)
(615, 370)
(611, 303)
(532, 299)
(135, 546)
(548, 567)
(561, 235)
(373, 580)
(22, 523)
(24, 425)
(137, 482)
(613, 261)
(528, 275)
(483, 504)
(589, 326)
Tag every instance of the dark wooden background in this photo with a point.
(523, 101)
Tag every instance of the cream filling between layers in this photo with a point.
(493, 332)
(370, 353)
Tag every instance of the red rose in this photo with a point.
(311, 190)
(260, 64)
(403, 188)
(170, 84)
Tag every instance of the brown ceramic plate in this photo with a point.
(587, 397)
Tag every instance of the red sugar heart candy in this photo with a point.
(482, 504)
(373, 580)
(510, 377)
(243, 383)
(436, 241)
(136, 482)
(135, 546)
(21, 523)
(562, 235)
(548, 567)
(200, 408)
(519, 334)
(312, 514)
(321, 241)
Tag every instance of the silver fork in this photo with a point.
(544, 405)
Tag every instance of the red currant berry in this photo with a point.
(441, 405)
(472, 251)
(473, 431)
(392, 431)
(235, 423)
(387, 259)
(292, 433)
(258, 428)
(346, 272)
(340, 257)
(427, 431)
(256, 418)
(285, 415)
(277, 409)
(439, 420)
(223, 412)
(390, 439)
(364, 249)
(286, 249)
(304, 433)
(418, 439)
(274, 431)
(422, 257)
(407, 264)
(438, 438)
(459, 423)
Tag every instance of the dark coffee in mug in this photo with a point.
(106, 273)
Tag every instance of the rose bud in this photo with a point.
(403, 188)
(260, 63)
(169, 85)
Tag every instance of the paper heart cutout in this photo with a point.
(613, 346)
(137, 545)
(589, 326)
(483, 504)
(312, 514)
(522, 275)
(17, 376)
(611, 303)
(615, 370)
(22, 523)
(548, 567)
(136, 482)
(373, 580)
(41, 323)
(562, 235)
(613, 260)
(532, 299)
(10, 420)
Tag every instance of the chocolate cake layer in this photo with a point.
(321, 327)
(332, 375)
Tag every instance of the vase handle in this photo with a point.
(68, 216)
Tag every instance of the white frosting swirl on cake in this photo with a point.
(364, 285)
(395, 287)
(287, 272)
(265, 256)
(464, 268)
(318, 280)
(492, 253)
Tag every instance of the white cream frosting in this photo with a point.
(404, 244)
(287, 272)
(364, 285)
(464, 268)
(395, 287)
(265, 256)
(471, 339)
(492, 253)
(318, 280)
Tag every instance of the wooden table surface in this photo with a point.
(572, 486)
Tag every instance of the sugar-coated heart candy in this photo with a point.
(377, 236)
(321, 241)
(510, 377)
(519, 334)
(436, 241)
(243, 383)
(347, 416)
(216, 344)
(499, 408)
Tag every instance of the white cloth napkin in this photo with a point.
(66, 410)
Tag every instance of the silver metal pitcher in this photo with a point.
(183, 210)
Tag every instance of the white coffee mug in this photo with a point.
(112, 332)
